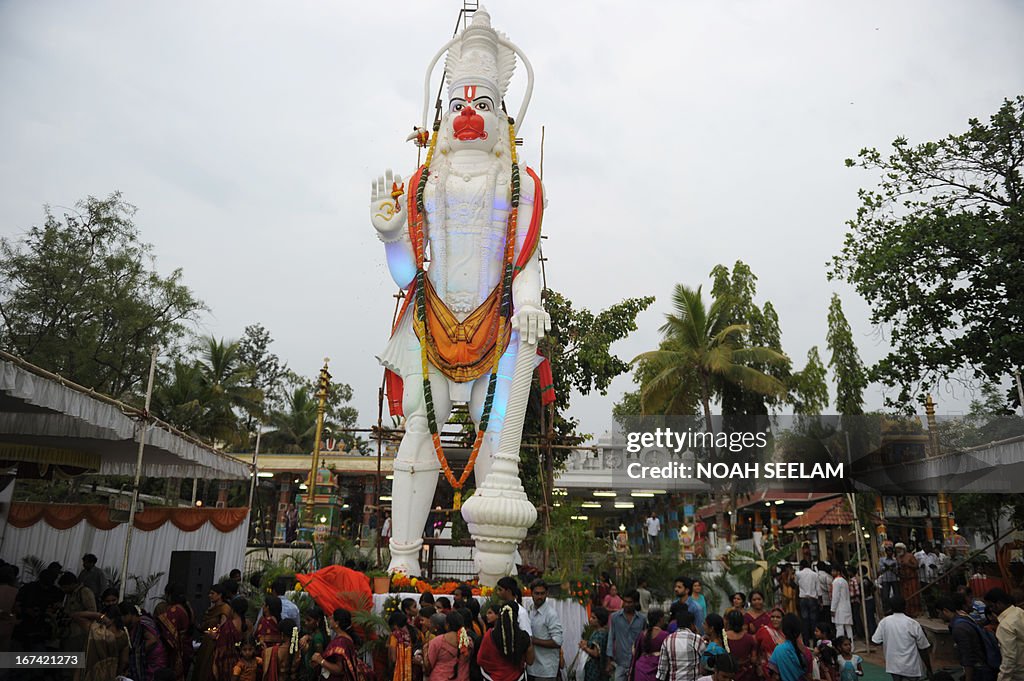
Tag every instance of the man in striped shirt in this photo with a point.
(681, 651)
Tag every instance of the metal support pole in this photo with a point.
(323, 387)
(852, 499)
(1020, 391)
(143, 432)
(255, 468)
(195, 490)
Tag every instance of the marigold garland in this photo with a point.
(420, 316)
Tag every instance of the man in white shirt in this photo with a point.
(825, 589)
(547, 635)
(385, 531)
(809, 586)
(653, 529)
(922, 569)
(906, 647)
(931, 564)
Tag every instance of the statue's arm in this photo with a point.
(530, 318)
(388, 214)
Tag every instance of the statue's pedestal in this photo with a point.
(498, 515)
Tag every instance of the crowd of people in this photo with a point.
(807, 636)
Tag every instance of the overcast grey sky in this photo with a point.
(679, 135)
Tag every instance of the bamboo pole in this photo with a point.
(143, 432)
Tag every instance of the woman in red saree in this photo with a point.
(214, 618)
(341, 657)
(741, 645)
(175, 621)
(229, 636)
(281, 661)
(268, 629)
(767, 637)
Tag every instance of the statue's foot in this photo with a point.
(405, 559)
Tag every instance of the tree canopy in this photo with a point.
(937, 250)
(81, 296)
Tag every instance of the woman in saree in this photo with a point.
(791, 661)
(147, 653)
(340, 658)
(647, 649)
(741, 645)
(313, 641)
(268, 630)
(106, 650)
(787, 591)
(281, 661)
(174, 618)
(756, 617)
(229, 637)
(213, 619)
(767, 638)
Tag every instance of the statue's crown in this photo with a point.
(480, 56)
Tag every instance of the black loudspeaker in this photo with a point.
(194, 572)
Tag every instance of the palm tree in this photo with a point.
(294, 428)
(703, 351)
(226, 382)
(179, 397)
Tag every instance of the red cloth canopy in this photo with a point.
(336, 587)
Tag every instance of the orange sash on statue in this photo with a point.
(464, 351)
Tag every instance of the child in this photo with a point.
(400, 648)
(723, 669)
(248, 667)
(850, 665)
(825, 656)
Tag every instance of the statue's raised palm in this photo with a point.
(387, 207)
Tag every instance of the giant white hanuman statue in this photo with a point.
(463, 243)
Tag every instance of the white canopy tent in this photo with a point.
(48, 422)
(48, 419)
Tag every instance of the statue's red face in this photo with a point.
(473, 118)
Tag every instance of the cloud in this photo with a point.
(678, 136)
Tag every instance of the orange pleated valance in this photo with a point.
(64, 516)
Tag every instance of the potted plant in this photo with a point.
(380, 581)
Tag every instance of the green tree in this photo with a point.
(937, 250)
(80, 296)
(701, 340)
(579, 350)
(267, 371)
(226, 382)
(847, 369)
(293, 422)
(293, 428)
(808, 390)
(179, 396)
(762, 330)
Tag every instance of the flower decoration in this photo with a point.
(392, 605)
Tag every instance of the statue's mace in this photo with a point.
(499, 513)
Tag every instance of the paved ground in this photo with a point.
(875, 666)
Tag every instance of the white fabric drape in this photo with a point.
(150, 552)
